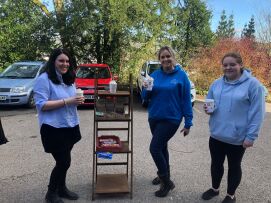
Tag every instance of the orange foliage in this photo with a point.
(206, 66)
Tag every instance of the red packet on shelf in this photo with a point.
(108, 143)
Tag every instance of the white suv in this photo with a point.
(148, 68)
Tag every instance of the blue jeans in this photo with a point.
(162, 131)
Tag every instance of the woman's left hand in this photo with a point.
(247, 144)
(185, 131)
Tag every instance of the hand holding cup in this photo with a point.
(80, 94)
(209, 106)
(148, 83)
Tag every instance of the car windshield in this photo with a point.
(89, 72)
(20, 71)
(153, 67)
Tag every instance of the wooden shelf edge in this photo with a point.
(118, 93)
(108, 119)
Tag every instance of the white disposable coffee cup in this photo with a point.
(210, 104)
(79, 93)
(149, 81)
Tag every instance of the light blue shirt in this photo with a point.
(45, 90)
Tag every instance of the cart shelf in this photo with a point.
(112, 183)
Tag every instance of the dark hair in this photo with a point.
(68, 77)
(167, 48)
(235, 55)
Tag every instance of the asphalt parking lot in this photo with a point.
(25, 168)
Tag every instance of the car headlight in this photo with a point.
(17, 89)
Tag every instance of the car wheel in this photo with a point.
(31, 101)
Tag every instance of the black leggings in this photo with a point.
(219, 150)
(58, 175)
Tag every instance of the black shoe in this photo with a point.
(156, 181)
(228, 199)
(166, 186)
(164, 189)
(67, 194)
(52, 197)
(209, 194)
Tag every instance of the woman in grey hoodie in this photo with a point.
(234, 123)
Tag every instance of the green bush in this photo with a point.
(268, 98)
(200, 91)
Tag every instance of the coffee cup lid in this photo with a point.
(209, 100)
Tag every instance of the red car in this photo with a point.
(85, 79)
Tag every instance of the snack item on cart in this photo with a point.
(108, 143)
(105, 155)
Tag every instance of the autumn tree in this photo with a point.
(206, 67)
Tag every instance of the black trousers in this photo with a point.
(58, 175)
(162, 132)
(3, 139)
(234, 153)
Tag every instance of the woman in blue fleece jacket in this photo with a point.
(168, 102)
(234, 123)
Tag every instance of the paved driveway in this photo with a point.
(25, 168)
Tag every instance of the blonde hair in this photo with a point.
(170, 50)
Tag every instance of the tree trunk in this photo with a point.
(98, 47)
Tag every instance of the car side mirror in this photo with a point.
(143, 73)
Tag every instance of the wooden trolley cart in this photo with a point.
(117, 109)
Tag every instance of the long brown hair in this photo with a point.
(235, 55)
